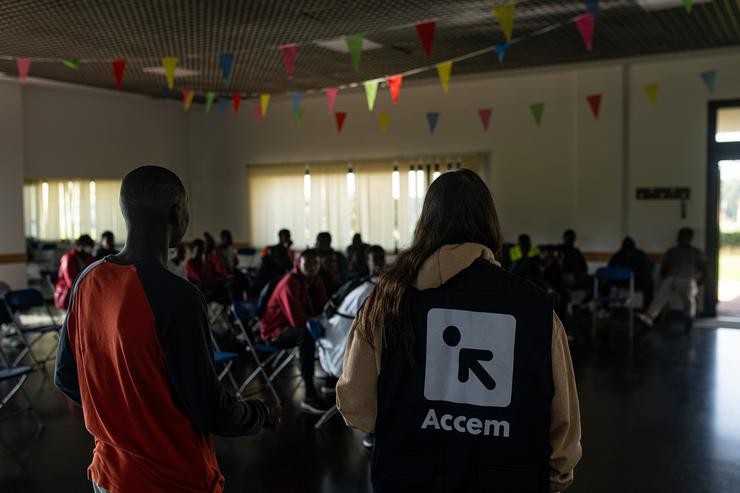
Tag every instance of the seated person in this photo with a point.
(526, 261)
(329, 274)
(633, 258)
(357, 257)
(282, 255)
(323, 245)
(205, 270)
(297, 298)
(225, 251)
(107, 245)
(681, 273)
(341, 311)
(70, 267)
(273, 266)
(176, 263)
(573, 261)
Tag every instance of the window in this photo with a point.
(65, 209)
(380, 200)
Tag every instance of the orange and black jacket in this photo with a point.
(136, 354)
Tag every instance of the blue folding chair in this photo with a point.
(23, 300)
(317, 332)
(610, 275)
(225, 360)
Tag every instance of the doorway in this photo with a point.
(722, 293)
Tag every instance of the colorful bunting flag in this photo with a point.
(289, 52)
(432, 120)
(187, 99)
(297, 99)
(298, 117)
(651, 91)
(593, 7)
(340, 117)
(119, 66)
(258, 113)
(585, 23)
(210, 98)
(170, 64)
(501, 51)
(394, 86)
(236, 100)
(384, 119)
(537, 110)
(371, 91)
(165, 92)
(485, 117)
(594, 102)
(72, 63)
(688, 5)
(710, 80)
(354, 45)
(444, 70)
(226, 62)
(222, 105)
(24, 65)
(505, 15)
(264, 103)
(331, 98)
(425, 30)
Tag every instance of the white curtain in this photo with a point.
(65, 209)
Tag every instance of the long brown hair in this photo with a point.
(458, 208)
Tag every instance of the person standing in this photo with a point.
(70, 267)
(141, 363)
(461, 368)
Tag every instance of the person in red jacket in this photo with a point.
(297, 298)
(70, 267)
(205, 270)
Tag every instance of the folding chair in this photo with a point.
(610, 301)
(316, 331)
(226, 360)
(277, 359)
(23, 300)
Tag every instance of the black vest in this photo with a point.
(473, 411)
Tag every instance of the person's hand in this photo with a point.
(273, 415)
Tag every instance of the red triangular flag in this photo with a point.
(236, 100)
(425, 30)
(340, 116)
(485, 117)
(594, 101)
(118, 68)
(394, 86)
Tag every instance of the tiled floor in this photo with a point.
(662, 415)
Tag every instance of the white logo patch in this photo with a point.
(470, 357)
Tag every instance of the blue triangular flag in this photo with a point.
(593, 7)
(222, 105)
(710, 80)
(432, 119)
(501, 51)
(165, 92)
(226, 62)
(297, 98)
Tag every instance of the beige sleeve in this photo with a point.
(565, 417)
(357, 389)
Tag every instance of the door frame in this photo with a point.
(716, 151)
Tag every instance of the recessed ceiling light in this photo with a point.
(340, 45)
(664, 4)
(179, 72)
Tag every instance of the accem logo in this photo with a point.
(463, 424)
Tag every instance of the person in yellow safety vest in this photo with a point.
(526, 260)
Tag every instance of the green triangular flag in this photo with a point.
(210, 98)
(371, 90)
(72, 63)
(688, 5)
(354, 45)
(298, 116)
(537, 109)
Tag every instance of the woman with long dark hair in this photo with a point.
(461, 369)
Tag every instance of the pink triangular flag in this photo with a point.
(394, 86)
(485, 117)
(24, 65)
(258, 112)
(585, 23)
(236, 100)
(594, 102)
(119, 66)
(340, 117)
(331, 98)
(289, 53)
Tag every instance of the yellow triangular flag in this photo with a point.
(264, 103)
(505, 15)
(384, 119)
(651, 91)
(444, 70)
(170, 64)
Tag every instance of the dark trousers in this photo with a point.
(299, 337)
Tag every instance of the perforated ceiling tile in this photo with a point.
(143, 31)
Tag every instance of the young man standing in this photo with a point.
(135, 353)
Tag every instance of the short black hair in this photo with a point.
(283, 232)
(107, 234)
(376, 250)
(85, 240)
(686, 232)
(323, 235)
(150, 192)
(309, 253)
